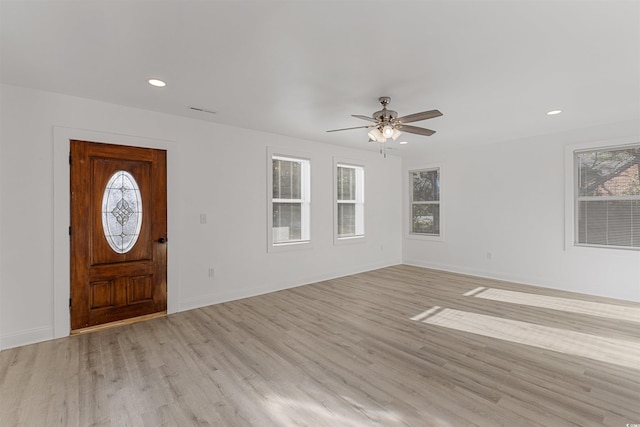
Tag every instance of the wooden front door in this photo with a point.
(118, 233)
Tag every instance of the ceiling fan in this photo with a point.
(387, 124)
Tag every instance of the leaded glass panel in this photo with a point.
(121, 212)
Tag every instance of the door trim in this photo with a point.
(62, 214)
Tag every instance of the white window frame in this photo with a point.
(358, 201)
(305, 200)
(571, 189)
(409, 231)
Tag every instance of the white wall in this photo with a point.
(508, 199)
(213, 169)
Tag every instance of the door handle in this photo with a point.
(161, 240)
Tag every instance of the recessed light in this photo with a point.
(157, 83)
(553, 112)
(403, 142)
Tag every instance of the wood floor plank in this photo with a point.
(344, 352)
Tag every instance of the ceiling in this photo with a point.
(300, 68)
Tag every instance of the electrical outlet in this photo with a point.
(211, 272)
(489, 255)
(203, 218)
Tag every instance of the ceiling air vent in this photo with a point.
(203, 110)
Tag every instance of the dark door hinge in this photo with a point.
(69, 230)
(69, 302)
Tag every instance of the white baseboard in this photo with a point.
(486, 274)
(26, 337)
(217, 298)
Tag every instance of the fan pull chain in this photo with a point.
(383, 150)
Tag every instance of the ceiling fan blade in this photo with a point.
(357, 116)
(416, 130)
(416, 117)
(357, 127)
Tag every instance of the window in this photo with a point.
(607, 197)
(349, 213)
(289, 201)
(425, 202)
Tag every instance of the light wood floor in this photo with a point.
(345, 352)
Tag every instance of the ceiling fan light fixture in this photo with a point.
(376, 135)
(387, 125)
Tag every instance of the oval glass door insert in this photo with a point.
(121, 212)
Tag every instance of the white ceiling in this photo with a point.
(299, 68)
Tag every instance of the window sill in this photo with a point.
(593, 246)
(427, 237)
(289, 246)
(338, 241)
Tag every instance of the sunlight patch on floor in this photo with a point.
(611, 311)
(604, 349)
(289, 413)
(426, 314)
